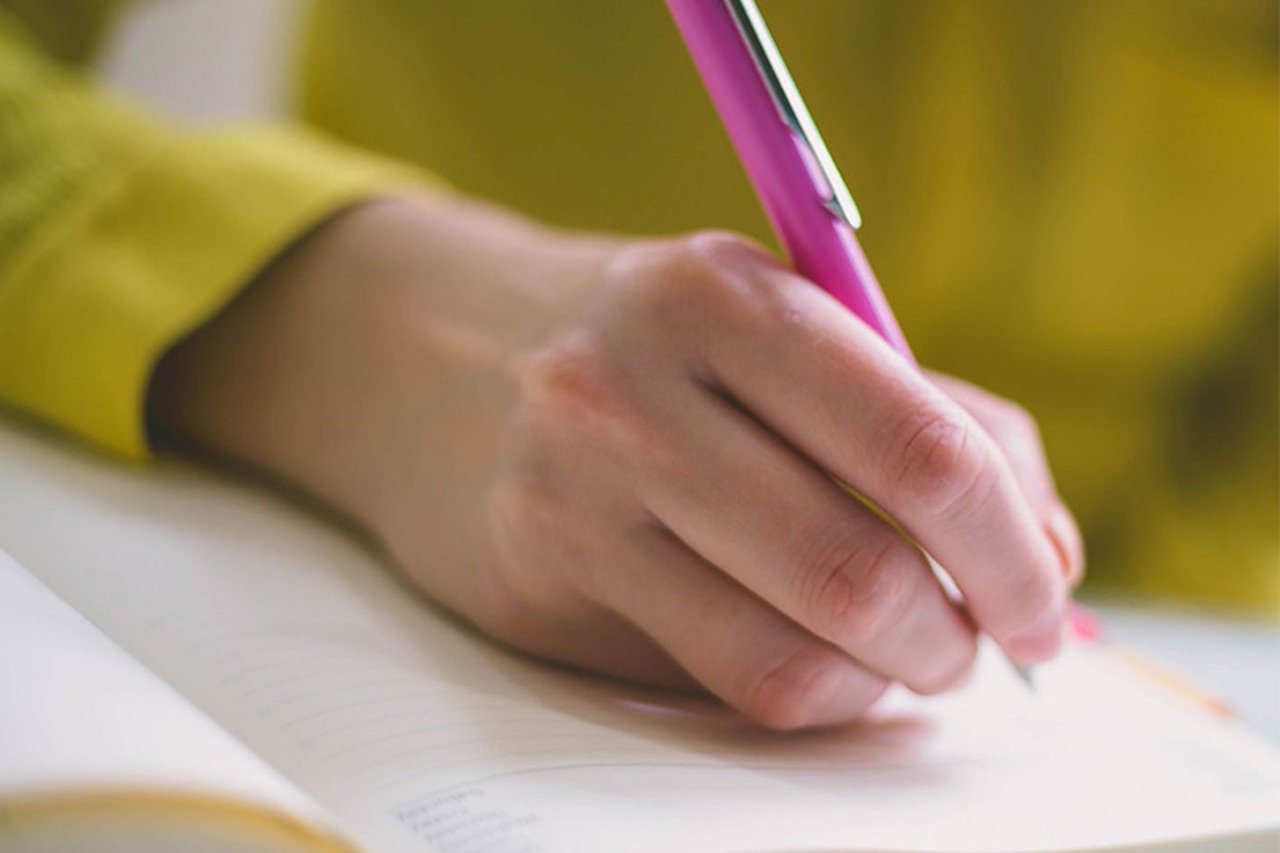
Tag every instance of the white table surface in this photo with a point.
(1233, 658)
(171, 56)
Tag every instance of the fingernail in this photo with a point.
(1040, 640)
(1061, 530)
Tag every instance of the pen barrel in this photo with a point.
(838, 266)
(821, 245)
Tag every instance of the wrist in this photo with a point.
(360, 337)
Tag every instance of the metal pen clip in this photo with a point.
(786, 97)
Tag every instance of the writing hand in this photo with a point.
(626, 455)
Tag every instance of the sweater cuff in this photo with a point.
(88, 314)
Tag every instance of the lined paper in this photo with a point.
(419, 735)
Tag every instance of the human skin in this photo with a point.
(628, 455)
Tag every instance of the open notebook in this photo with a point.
(189, 657)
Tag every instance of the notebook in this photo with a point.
(192, 662)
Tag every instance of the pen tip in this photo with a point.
(1026, 674)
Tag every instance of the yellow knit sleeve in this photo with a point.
(119, 235)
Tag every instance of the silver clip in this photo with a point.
(786, 97)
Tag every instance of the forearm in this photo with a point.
(388, 326)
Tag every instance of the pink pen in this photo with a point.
(784, 156)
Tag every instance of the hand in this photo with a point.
(624, 455)
(1015, 433)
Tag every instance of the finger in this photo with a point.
(822, 380)
(1066, 536)
(1015, 432)
(759, 512)
(738, 647)
(535, 605)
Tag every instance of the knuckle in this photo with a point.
(941, 462)
(719, 249)
(564, 374)
(797, 690)
(853, 593)
(712, 272)
(569, 395)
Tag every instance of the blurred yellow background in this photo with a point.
(1075, 204)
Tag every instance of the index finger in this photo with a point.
(824, 382)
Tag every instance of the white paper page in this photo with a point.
(79, 716)
(419, 736)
